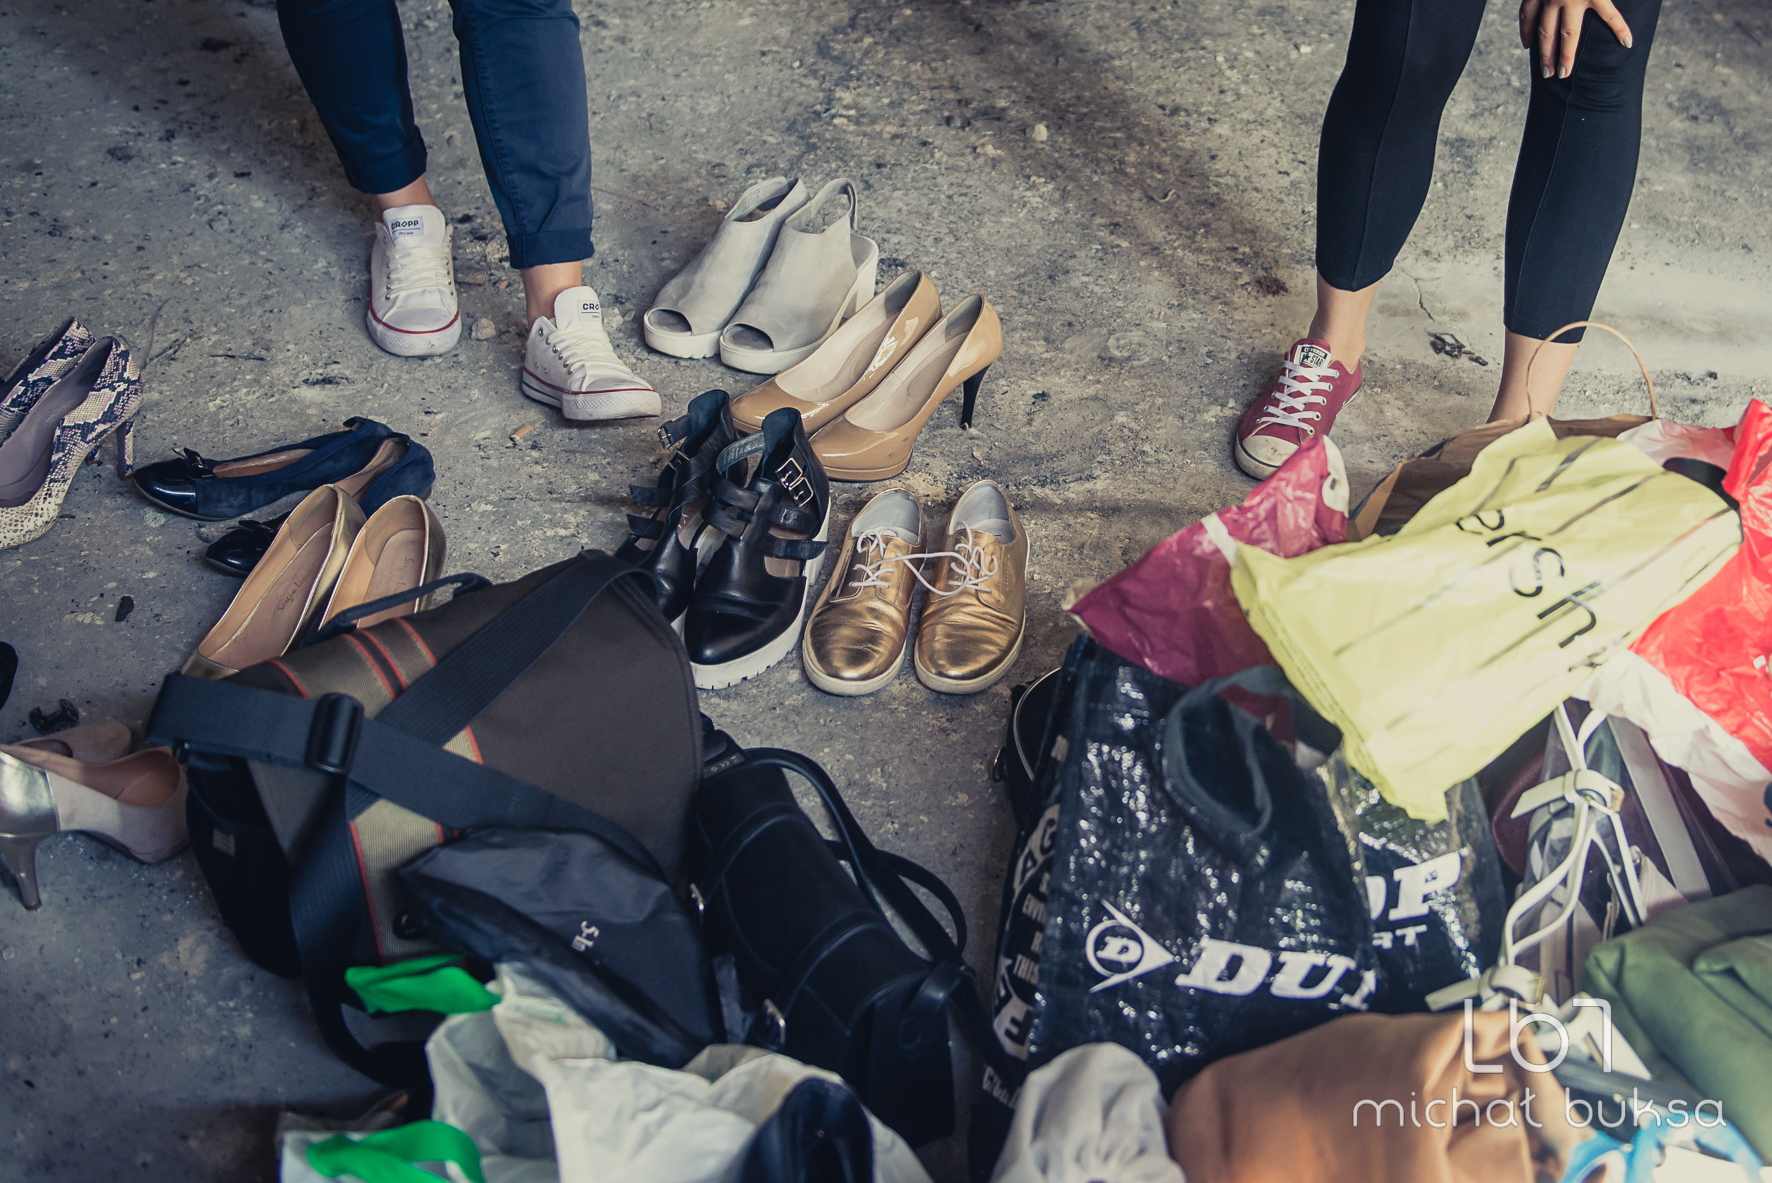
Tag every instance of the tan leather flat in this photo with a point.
(848, 366)
(972, 627)
(399, 548)
(872, 441)
(856, 636)
(280, 598)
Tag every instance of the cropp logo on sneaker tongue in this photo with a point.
(589, 306)
(404, 226)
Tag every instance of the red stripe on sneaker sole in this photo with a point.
(540, 381)
(413, 332)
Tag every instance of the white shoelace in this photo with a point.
(973, 566)
(418, 269)
(1300, 387)
(581, 345)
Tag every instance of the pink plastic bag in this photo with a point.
(1173, 611)
(1697, 679)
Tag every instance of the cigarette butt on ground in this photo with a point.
(517, 435)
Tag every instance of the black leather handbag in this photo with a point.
(826, 975)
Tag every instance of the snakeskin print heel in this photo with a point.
(100, 394)
(47, 363)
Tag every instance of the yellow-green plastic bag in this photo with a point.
(1435, 647)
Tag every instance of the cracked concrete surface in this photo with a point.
(163, 177)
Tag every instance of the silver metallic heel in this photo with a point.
(135, 803)
(19, 853)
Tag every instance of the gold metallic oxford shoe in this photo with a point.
(971, 629)
(855, 640)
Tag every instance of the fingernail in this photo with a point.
(1544, 71)
(1628, 44)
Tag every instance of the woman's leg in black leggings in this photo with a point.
(1376, 158)
(1573, 182)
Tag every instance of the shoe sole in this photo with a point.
(731, 673)
(847, 689)
(971, 685)
(1250, 466)
(774, 361)
(862, 475)
(408, 343)
(691, 345)
(537, 390)
(592, 406)
(637, 403)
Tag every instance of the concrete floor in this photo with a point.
(163, 177)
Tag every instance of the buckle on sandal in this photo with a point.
(332, 736)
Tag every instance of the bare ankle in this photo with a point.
(417, 193)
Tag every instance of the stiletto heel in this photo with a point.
(872, 441)
(19, 853)
(126, 446)
(39, 460)
(135, 804)
(969, 397)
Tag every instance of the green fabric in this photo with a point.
(424, 983)
(1673, 1015)
(1435, 648)
(1740, 973)
(387, 1156)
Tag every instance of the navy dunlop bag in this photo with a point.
(1185, 891)
(1433, 889)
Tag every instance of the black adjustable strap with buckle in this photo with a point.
(397, 756)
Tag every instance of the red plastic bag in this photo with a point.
(1697, 679)
(1173, 611)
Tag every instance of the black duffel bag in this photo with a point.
(562, 701)
(820, 966)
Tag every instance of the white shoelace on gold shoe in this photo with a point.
(976, 566)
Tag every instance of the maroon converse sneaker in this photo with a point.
(1304, 399)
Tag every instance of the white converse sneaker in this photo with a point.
(412, 307)
(571, 365)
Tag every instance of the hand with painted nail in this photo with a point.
(1555, 26)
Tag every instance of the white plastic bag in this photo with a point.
(621, 1119)
(481, 1091)
(1093, 1115)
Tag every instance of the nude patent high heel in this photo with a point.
(136, 804)
(852, 361)
(872, 441)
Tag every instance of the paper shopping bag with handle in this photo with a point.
(1415, 482)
